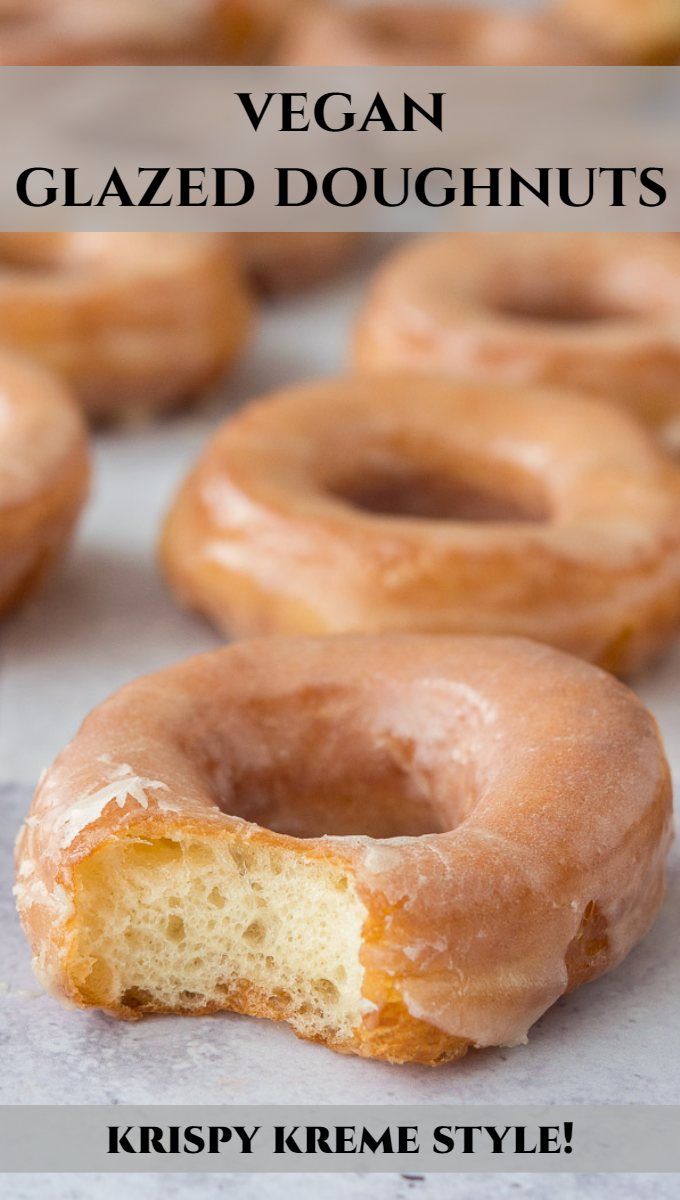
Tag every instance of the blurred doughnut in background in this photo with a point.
(433, 34)
(406, 503)
(147, 32)
(283, 262)
(314, 32)
(136, 323)
(44, 474)
(595, 313)
(629, 31)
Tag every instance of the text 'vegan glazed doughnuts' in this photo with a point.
(44, 471)
(628, 30)
(137, 323)
(403, 846)
(433, 35)
(408, 503)
(598, 313)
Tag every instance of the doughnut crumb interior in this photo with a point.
(180, 923)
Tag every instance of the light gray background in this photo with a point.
(342, 1187)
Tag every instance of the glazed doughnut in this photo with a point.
(407, 503)
(432, 35)
(284, 262)
(598, 313)
(137, 323)
(95, 32)
(44, 471)
(628, 30)
(119, 32)
(403, 846)
(250, 30)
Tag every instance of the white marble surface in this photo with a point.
(343, 1187)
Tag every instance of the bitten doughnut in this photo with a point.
(110, 32)
(283, 262)
(44, 471)
(599, 313)
(403, 846)
(433, 35)
(409, 503)
(628, 30)
(136, 323)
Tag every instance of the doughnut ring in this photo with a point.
(142, 32)
(44, 474)
(282, 262)
(431, 35)
(136, 323)
(598, 313)
(403, 846)
(628, 30)
(407, 503)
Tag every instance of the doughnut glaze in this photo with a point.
(409, 503)
(432, 35)
(136, 32)
(596, 313)
(627, 30)
(489, 816)
(278, 263)
(44, 473)
(136, 323)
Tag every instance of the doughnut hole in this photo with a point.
(37, 252)
(585, 309)
(187, 924)
(424, 476)
(535, 282)
(437, 496)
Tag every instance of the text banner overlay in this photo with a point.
(499, 1138)
(389, 149)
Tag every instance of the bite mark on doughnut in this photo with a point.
(541, 783)
(255, 927)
